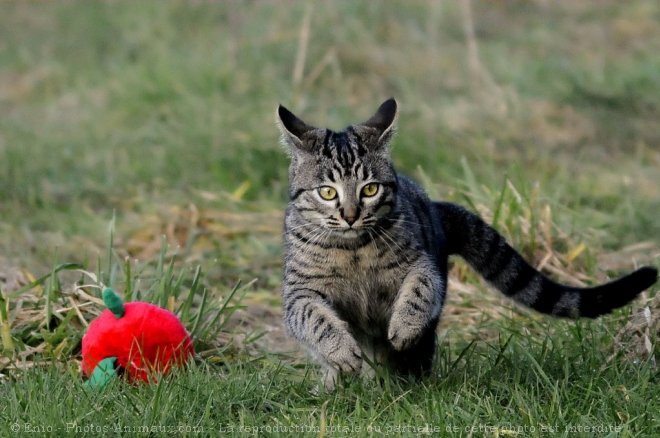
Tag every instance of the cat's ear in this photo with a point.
(384, 121)
(292, 128)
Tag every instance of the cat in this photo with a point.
(366, 253)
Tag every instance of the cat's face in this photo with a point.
(343, 182)
(343, 187)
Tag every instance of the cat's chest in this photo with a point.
(361, 268)
(353, 262)
(361, 289)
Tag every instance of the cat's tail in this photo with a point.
(489, 254)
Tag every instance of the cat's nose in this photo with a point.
(350, 220)
(350, 215)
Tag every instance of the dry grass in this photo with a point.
(471, 311)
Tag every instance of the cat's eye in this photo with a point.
(370, 189)
(327, 193)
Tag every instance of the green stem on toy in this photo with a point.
(103, 373)
(113, 302)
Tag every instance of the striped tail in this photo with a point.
(489, 254)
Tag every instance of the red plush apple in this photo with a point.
(139, 339)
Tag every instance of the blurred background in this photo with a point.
(161, 115)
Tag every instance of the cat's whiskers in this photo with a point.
(327, 236)
(373, 235)
(321, 237)
(306, 224)
(382, 233)
(386, 233)
(310, 237)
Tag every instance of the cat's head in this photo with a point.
(342, 181)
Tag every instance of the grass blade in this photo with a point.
(40, 281)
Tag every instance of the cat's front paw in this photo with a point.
(403, 335)
(343, 354)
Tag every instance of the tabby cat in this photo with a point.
(366, 254)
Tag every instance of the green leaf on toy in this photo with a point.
(103, 373)
(113, 302)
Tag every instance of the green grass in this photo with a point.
(156, 119)
(520, 383)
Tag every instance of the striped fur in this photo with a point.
(367, 275)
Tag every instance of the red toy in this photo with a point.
(140, 339)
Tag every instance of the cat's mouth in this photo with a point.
(344, 232)
(350, 232)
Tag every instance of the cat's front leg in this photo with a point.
(312, 320)
(417, 305)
